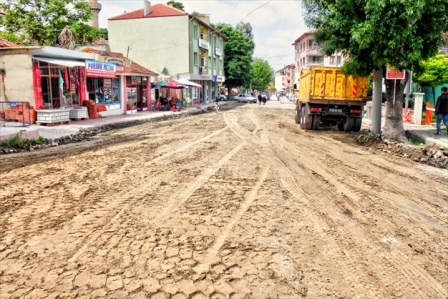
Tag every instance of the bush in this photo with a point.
(17, 141)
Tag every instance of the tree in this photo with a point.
(261, 74)
(238, 50)
(175, 4)
(11, 37)
(245, 28)
(432, 72)
(198, 14)
(376, 33)
(41, 21)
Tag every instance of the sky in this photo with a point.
(275, 23)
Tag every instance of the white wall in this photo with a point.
(154, 43)
(278, 82)
(18, 85)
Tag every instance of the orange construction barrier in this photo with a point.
(429, 110)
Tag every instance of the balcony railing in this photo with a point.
(204, 44)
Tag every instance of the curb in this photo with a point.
(427, 140)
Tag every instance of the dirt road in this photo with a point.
(241, 204)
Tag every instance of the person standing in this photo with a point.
(442, 110)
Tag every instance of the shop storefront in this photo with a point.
(58, 83)
(104, 87)
(210, 87)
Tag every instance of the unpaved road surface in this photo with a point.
(241, 204)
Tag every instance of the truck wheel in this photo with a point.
(349, 122)
(357, 125)
(316, 122)
(341, 126)
(297, 116)
(306, 121)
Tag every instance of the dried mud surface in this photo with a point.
(241, 204)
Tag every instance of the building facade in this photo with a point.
(285, 79)
(173, 43)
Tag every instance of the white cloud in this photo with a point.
(275, 25)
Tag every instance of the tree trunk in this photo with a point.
(394, 110)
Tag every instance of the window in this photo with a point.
(202, 60)
(338, 59)
(195, 31)
(215, 63)
(331, 59)
(202, 35)
(195, 58)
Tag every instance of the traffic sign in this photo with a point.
(392, 73)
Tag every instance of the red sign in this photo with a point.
(392, 73)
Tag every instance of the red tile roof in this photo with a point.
(157, 11)
(162, 10)
(6, 43)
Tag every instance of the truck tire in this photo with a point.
(357, 125)
(306, 121)
(316, 122)
(341, 126)
(297, 116)
(349, 122)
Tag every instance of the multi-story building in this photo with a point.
(285, 79)
(307, 53)
(174, 43)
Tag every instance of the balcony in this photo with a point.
(218, 51)
(204, 44)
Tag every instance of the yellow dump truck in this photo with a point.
(328, 97)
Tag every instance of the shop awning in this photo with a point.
(63, 62)
(188, 83)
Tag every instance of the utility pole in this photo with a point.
(127, 54)
(376, 101)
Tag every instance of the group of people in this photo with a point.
(166, 104)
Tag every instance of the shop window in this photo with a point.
(202, 60)
(60, 85)
(105, 91)
(136, 90)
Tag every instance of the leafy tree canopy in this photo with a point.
(245, 28)
(432, 72)
(261, 74)
(175, 4)
(11, 37)
(238, 50)
(376, 33)
(41, 21)
(198, 14)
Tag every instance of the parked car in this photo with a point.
(245, 98)
(221, 97)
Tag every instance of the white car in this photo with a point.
(245, 98)
(221, 97)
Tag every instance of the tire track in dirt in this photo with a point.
(361, 284)
(412, 272)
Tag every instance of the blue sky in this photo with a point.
(275, 25)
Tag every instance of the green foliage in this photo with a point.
(261, 74)
(11, 37)
(238, 51)
(175, 4)
(245, 28)
(432, 72)
(273, 89)
(41, 21)
(18, 142)
(374, 33)
(198, 14)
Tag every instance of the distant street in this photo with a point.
(240, 204)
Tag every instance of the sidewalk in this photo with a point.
(34, 131)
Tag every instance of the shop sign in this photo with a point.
(100, 69)
(204, 44)
(123, 65)
(218, 78)
(218, 52)
(206, 77)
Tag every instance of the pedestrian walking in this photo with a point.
(217, 105)
(442, 110)
(259, 99)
